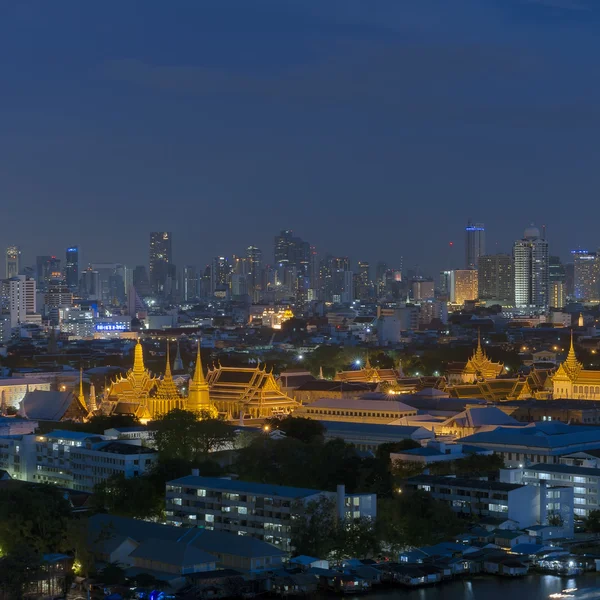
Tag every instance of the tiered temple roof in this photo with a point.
(167, 395)
(368, 374)
(239, 392)
(480, 366)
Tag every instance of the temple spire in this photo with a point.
(178, 364)
(321, 372)
(167, 390)
(138, 359)
(81, 397)
(198, 399)
(198, 378)
(367, 362)
(92, 406)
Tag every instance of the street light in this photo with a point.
(357, 362)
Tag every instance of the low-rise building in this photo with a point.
(437, 451)
(356, 410)
(13, 389)
(73, 459)
(260, 510)
(526, 505)
(541, 442)
(368, 436)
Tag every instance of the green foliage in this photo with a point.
(17, 568)
(305, 430)
(113, 574)
(592, 523)
(403, 469)
(415, 519)
(384, 450)
(181, 434)
(34, 515)
(137, 497)
(97, 424)
(313, 533)
(317, 464)
(474, 464)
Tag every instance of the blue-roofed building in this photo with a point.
(261, 510)
(437, 451)
(368, 436)
(541, 442)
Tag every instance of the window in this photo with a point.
(579, 490)
(580, 512)
(579, 501)
(544, 475)
(579, 479)
(177, 501)
(209, 518)
(201, 492)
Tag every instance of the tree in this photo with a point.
(182, 434)
(300, 428)
(34, 515)
(592, 523)
(314, 531)
(384, 450)
(136, 497)
(17, 569)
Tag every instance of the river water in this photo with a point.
(531, 587)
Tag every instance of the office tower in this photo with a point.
(89, 284)
(558, 297)
(495, 276)
(338, 267)
(585, 274)
(422, 289)
(161, 262)
(42, 271)
(463, 286)
(556, 270)
(220, 273)
(531, 270)
(292, 252)
(72, 267)
(190, 283)
(445, 284)
(239, 285)
(206, 282)
(58, 296)
(254, 256)
(363, 281)
(19, 293)
(474, 244)
(111, 283)
(380, 270)
(13, 260)
(141, 281)
(347, 294)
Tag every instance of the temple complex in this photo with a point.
(479, 367)
(572, 381)
(368, 374)
(167, 395)
(247, 392)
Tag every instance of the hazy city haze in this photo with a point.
(373, 129)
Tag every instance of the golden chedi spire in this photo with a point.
(138, 359)
(571, 364)
(198, 399)
(92, 404)
(81, 397)
(167, 390)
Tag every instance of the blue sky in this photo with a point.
(374, 129)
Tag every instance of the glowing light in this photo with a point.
(267, 428)
(300, 356)
(357, 362)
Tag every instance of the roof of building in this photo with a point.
(474, 484)
(132, 429)
(361, 404)
(172, 553)
(43, 405)
(528, 548)
(546, 468)
(324, 385)
(213, 542)
(22, 381)
(126, 449)
(394, 431)
(537, 435)
(480, 416)
(65, 434)
(245, 487)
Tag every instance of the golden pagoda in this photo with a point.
(131, 394)
(479, 366)
(571, 380)
(198, 399)
(167, 396)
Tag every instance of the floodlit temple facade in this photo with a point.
(480, 367)
(572, 381)
(247, 392)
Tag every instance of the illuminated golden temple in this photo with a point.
(480, 367)
(369, 374)
(247, 392)
(572, 381)
(198, 399)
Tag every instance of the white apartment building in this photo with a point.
(260, 510)
(19, 297)
(73, 459)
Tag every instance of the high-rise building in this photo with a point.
(19, 293)
(161, 262)
(141, 282)
(422, 289)
(338, 267)
(190, 283)
(72, 268)
(363, 281)
(558, 297)
(42, 271)
(13, 260)
(89, 285)
(220, 273)
(531, 270)
(474, 244)
(58, 296)
(347, 293)
(495, 279)
(586, 274)
(380, 271)
(254, 257)
(445, 284)
(463, 286)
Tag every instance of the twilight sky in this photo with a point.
(374, 129)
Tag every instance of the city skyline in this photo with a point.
(336, 119)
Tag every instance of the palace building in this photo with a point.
(479, 367)
(198, 399)
(572, 381)
(247, 392)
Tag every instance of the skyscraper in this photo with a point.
(161, 261)
(220, 274)
(531, 268)
(254, 256)
(496, 282)
(585, 274)
(72, 268)
(20, 293)
(13, 259)
(363, 281)
(557, 276)
(463, 286)
(474, 244)
(190, 283)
